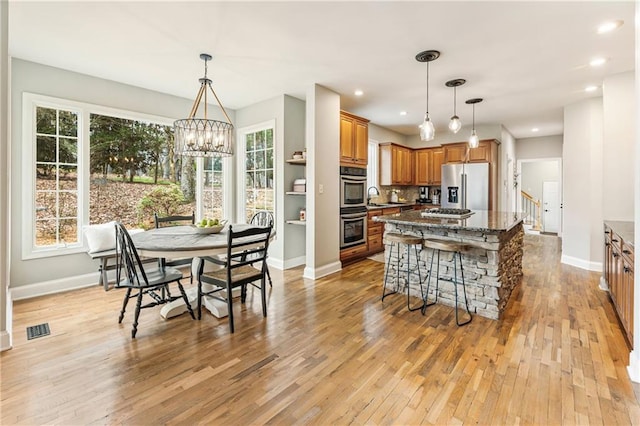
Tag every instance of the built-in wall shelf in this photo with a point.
(301, 162)
(296, 222)
(295, 193)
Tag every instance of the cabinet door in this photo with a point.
(626, 298)
(455, 153)
(405, 166)
(437, 158)
(422, 166)
(346, 139)
(481, 154)
(361, 143)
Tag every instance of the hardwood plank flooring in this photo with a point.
(329, 352)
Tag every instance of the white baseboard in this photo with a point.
(54, 286)
(296, 261)
(314, 274)
(634, 366)
(5, 341)
(604, 286)
(581, 263)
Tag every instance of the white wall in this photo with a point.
(381, 134)
(5, 165)
(489, 131)
(582, 176)
(620, 115)
(534, 173)
(540, 147)
(506, 169)
(37, 78)
(323, 209)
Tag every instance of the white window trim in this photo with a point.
(29, 103)
(241, 174)
(227, 188)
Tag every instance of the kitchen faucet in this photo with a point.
(369, 193)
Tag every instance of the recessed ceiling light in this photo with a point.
(609, 26)
(403, 112)
(358, 92)
(596, 62)
(591, 88)
(535, 129)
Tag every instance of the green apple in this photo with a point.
(204, 222)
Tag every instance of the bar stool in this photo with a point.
(396, 240)
(456, 248)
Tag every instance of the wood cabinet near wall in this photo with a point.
(396, 164)
(484, 153)
(354, 139)
(618, 272)
(428, 166)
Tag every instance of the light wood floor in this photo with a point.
(328, 353)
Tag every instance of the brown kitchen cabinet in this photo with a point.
(354, 139)
(396, 164)
(618, 273)
(428, 166)
(486, 152)
(374, 231)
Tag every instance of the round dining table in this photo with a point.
(175, 242)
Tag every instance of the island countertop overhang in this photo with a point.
(481, 220)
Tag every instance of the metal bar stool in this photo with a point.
(456, 248)
(396, 240)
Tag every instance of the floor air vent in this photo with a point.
(39, 330)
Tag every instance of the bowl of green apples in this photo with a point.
(209, 226)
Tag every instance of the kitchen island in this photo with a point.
(492, 265)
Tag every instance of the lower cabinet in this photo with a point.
(618, 272)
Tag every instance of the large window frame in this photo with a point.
(30, 103)
(241, 152)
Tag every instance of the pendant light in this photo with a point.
(474, 141)
(203, 137)
(455, 124)
(427, 131)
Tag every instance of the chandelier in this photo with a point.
(203, 137)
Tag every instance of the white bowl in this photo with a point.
(210, 229)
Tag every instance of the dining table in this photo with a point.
(182, 242)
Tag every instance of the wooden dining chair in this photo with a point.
(176, 220)
(130, 274)
(264, 218)
(244, 248)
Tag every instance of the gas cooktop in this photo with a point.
(447, 213)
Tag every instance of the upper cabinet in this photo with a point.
(354, 139)
(456, 152)
(428, 166)
(396, 164)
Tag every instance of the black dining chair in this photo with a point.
(130, 274)
(176, 220)
(244, 248)
(263, 218)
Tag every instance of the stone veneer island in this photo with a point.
(492, 266)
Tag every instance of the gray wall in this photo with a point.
(540, 147)
(582, 180)
(41, 79)
(380, 134)
(534, 173)
(5, 232)
(620, 114)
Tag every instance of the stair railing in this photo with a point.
(531, 208)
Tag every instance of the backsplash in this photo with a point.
(405, 193)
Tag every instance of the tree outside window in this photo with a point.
(259, 172)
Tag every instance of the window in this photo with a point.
(86, 164)
(256, 149)
(56, 177)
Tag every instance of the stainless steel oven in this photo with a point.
(353, 187)
(353, 226)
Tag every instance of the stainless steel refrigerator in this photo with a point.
(465, 186)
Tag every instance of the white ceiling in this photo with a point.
(526, 59)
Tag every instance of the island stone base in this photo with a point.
(492, 267)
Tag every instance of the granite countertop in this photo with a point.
(377, 206)
(481, 220)
(624, 229)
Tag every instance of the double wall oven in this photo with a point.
(353, 206)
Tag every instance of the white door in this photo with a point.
(550, 207)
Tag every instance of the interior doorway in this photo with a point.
(532, 176)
